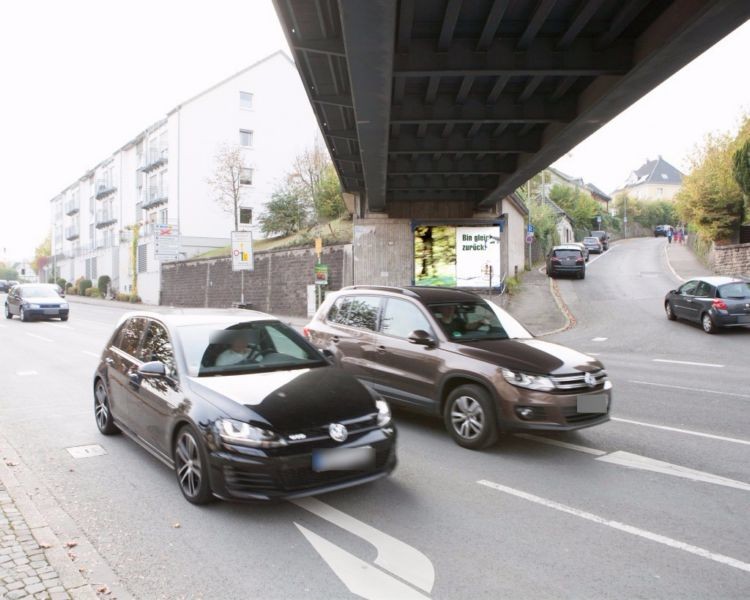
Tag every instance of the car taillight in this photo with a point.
(719, 304)
(555, 260)
(579, 261)
(306, 332)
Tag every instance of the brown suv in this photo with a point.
(450, 353)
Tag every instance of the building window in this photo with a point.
(246, 100)
(246, 176)
(246, 138)
(142, 258)
(246, 216)
(163, 216)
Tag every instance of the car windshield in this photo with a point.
(739, 289)
(472, 321)
(567, 253)
(244, 347)
(591, 240)
(39, 291)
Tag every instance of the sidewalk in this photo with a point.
(683, 262)
(538, 304)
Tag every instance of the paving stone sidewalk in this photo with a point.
(24, 569)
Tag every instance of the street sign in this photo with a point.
(529, 238)
(530, 228)
(242, 251)
(166, 242)
(598, 219)
(321, 274)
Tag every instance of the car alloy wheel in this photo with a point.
(708, 323)
(191, 467)
(670, 311)
(469, 417)
(102, 413)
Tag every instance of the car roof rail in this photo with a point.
(382, 288)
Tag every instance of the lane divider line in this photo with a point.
(26, 373)
(686, 431)
(691, 389)
(636, 531)
(90, 353)
(687, 362)
(39, 337)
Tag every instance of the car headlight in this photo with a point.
(384, 413)
(34, 306)
(63, 305)
(244, 434)
(527, 380)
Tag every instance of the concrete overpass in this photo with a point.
(437, 110)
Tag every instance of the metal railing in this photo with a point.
(72, 207)
(153, 158)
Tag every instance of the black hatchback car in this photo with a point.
(240, 406)
(713, 302)
(568, 260)
(36, 300)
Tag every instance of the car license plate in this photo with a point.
(743, 319)
(594, 403)
(51, 311)
(343, 459)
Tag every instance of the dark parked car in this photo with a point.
(661, 230)
(603, 238)
(4, 285)
(31, 300)
(713, 302)
(567, 260)
(450, 353)
(593, 244)
(240, 406)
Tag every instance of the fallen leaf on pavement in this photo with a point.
(176, 525)
(103, 589)
(45, 545)
(10, 463)
(71, 544)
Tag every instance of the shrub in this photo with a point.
(83, 285)
(122, 297)
(134, 298)
(92, 292)
(102, 284)
(62, 283)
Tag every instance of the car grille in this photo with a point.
(353, 427)
(576, 381)
(243, 481)
(297, 478)
(49, 306)
(571, 415)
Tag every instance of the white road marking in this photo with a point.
(599, 339)
(654, 537)
(393, 555)
(39, 337)
(687, 362)
(26, 373)
(687, 431)
(635, 461)
(553, 442)
(691, 389)
(94, 354)
(360, 578)
(59, 325)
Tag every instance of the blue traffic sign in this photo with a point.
(529, 228)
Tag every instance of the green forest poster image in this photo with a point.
(435, 256)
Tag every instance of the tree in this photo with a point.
(579, 206)
(226, 178)
(741, 172)
(314, 178)
(285, 213)
(42, 255)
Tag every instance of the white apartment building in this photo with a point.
(156, 186)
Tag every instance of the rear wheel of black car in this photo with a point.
(582, 275)
(102, 413)
(23, 315)
(670, 311)
(470, 417)
(191, 466)
(708, 323)
(8, 314)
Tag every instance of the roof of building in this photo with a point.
(595, 190)
(569, 178)
(655, 171)
(518, 203)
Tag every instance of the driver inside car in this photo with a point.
(240, 350)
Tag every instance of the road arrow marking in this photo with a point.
(554, 442)
(360, 578)
(654, 537)
(393, 555)
(635, 461)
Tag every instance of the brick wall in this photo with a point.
(277, 285)
(731, 260)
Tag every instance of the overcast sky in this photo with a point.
(81, 77)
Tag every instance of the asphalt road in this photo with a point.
(654, 504)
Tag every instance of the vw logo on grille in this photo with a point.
(338, 432)
(589, 379)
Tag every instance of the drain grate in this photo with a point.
(86, 451)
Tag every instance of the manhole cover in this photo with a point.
(86, 451)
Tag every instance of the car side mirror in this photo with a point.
(328, 355)
(153, 369)
(422, 338)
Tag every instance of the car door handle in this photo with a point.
(381, 349)
(135, 379)
(335, 339)
(109, 361)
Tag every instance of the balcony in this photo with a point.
(153, 197)
(104, 189)
(72, 233)
(72, 207)
(105, 217)
(153, 159)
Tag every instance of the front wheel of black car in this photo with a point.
(670, 311)
(708, 323)
(191, 466)
(470, 417)
(102, 412)
(23, 315)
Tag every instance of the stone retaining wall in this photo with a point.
(277, 285)
(731, 260)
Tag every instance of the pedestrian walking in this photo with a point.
(669, 235)
(678, 236)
